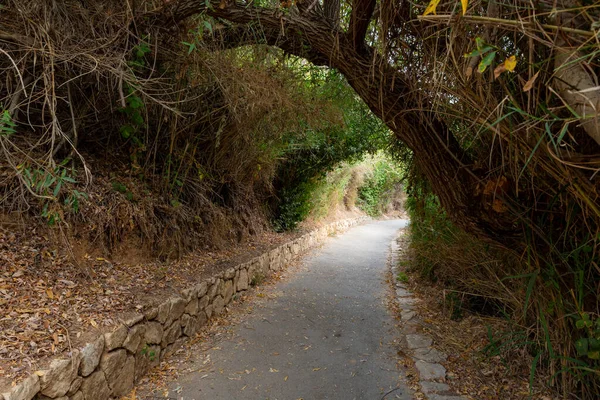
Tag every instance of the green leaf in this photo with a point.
(478, 52)
(208, 26)
(581, 346)
(594, 355)
(486, 61)
(580, 324)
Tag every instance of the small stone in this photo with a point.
(418, 341)
(403, 293)
(90, 357)
(95, 387)
(134, 337)
(192, 306)
(123, 385)
(203, 302)
(407, 315)
(189, 294)
(209, 311)
(430, 371)
(111, 364)
(163, 311)
(75, 386)
(202, 319)
(154, 333)
(57, 380)
(151, 313)
(430, 355)
(171, 334)
(228, 291)
(77, 396)
(242, 283)
(218, 305)
(202, 288)
(132, 318)
(229, 273)
(189, 325)
(115, 339)
(406, 301)
(176, 311)
(25, 390)
(433, 387)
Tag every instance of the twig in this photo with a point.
(499, 21)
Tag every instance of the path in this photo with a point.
(328, 335)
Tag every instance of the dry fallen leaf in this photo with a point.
(508, 65)
(50, 294)
(529, 84)
(431, 7)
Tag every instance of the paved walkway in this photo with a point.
(328, 335)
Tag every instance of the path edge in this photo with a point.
(110, 365)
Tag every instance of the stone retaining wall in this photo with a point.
(109, 366)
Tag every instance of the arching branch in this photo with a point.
(362, 11)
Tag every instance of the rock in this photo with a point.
(176, 311)
(203, 302)
(229, 273)
(77, 396)
(228, 291)
(75, 385)
(418, 341)
(115, 339)
(163, 311)
(202, 319)
(209, 311)
(134, 337)
(242, 283)
(403, 293)
(189, 294)
(406, 301)
(132, 318)
(147, 358)
(218, 305)
(202, 288)
(95, 387)
(189, 324)
(171, 334)
(430, 355)
(153, 333)
(57, 380)
(430, 371)
(151, 313)
(407, 315)
(192, 306)
(90, 357)
(25, 390)
(123, 385)
(433, 387)
(213, 290)
(111, 364)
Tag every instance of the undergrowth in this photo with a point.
(551, 332)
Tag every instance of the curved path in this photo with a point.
(327, 335)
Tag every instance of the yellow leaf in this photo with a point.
(510, 63)
(50, 293)
(93, 323)
(465, 4)
(431, 7)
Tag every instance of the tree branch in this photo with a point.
(362, 11)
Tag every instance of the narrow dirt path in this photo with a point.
(327, 334)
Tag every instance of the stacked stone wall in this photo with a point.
(109, 366)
